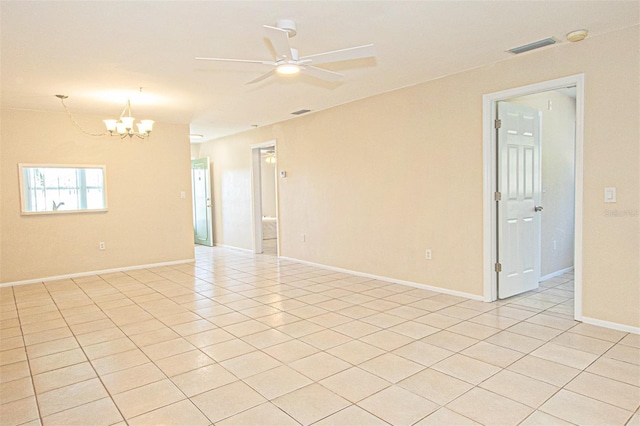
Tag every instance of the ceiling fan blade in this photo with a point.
(263, 77)
(236, 60)
(280, 41)
(365, 51)
(321, 73)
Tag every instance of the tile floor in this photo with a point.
(237, 339)
(269, 246)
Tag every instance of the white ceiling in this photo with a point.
(100, 52)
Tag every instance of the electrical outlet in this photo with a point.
(303, 238)
(102, 245)
(427, 254)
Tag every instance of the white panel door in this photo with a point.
(202, 226)
(519, 183)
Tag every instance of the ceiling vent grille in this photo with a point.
(300, 112)
(531, 46)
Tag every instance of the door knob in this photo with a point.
(538, 208)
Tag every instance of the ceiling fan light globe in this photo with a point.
(288, 69)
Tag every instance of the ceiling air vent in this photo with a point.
(300, 112)
(531, 46)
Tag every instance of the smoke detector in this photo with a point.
(577, 35)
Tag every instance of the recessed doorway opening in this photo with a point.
(555, 243)
(265, 198)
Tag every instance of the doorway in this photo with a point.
(557, 249)
(264, 194)
(201, 188)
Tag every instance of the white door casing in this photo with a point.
(489, 102)
(200, 184)
(519, 183)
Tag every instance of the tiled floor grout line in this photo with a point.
(28, 360)
(81, 347)
(166, 377)
(75, 336)
(244, 277)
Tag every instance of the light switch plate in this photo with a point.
(610, 195)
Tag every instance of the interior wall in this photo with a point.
(268, 186)
(147, 220)
(1, 178)
(231, 186)
(558, 195)
(195, 151)
(374, 183)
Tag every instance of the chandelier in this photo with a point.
(123, 126)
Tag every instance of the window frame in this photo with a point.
(80, 186)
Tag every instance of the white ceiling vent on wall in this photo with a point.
(531, 46)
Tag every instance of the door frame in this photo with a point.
(489, 179)
(256, 196)
(209, 200)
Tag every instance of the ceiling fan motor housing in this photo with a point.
(288, 25)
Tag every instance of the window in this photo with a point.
(62, 189)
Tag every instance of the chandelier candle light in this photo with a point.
(122, 127)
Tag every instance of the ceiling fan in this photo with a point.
(288, 62)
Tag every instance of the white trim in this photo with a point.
(489, 180)
(556, 273)
(256, 200)
(613, 325)
(100, 272)
(235, 248)
(387, 279)
(578, 203)
(266, 144)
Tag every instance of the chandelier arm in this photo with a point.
(75, 123)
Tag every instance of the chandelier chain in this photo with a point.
(75, 123)
(122, 127)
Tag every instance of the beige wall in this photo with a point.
(147, 221)
(374, 183)
(195, 151)
(558, 157)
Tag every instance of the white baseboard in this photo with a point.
(234, 248)
(613, 325)
(556, 273)
(88, 273)
(387, 279)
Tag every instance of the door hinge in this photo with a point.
(498, 267)
(497, 196)
(498, 123)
